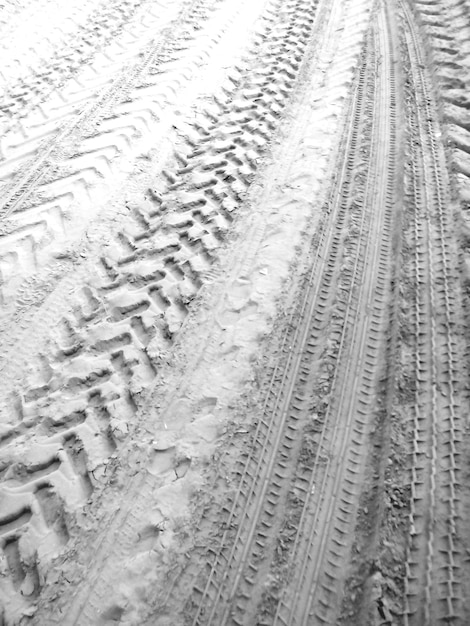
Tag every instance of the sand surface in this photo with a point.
(234, 288)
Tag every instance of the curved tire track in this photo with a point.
(90, 375)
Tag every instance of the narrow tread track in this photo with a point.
(433, 588)
(279, 442)
(447, 28)
(367, 346)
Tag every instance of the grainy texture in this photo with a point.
(234, 350)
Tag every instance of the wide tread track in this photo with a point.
(110, 343)
(22, 139)
(92, 26)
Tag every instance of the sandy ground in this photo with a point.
(234, 282)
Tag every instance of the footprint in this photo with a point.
(232, 315)
(112, 615)
(161, 461)
(149, 536)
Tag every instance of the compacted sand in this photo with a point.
(234, 286)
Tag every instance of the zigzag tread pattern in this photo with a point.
(87, 382)
(68, 55)
(43, 115)
(41, 219)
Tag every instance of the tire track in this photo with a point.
(271, 48)
(447, 29)
(267, 479)
(71, 40)
(434, 573)
(21, 140)
(424, 499)
(52, 150)
(325, 543)
(89, 377)
(108, 129)
(283, 440)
